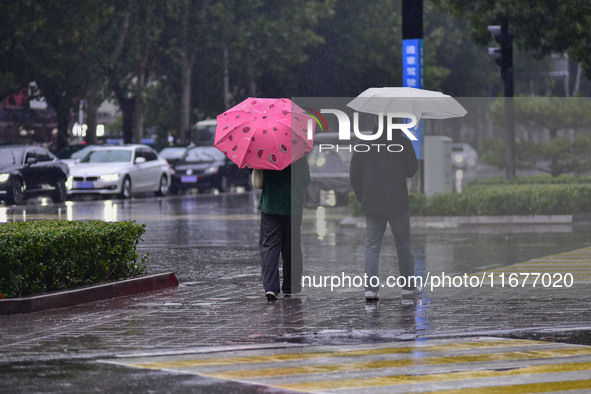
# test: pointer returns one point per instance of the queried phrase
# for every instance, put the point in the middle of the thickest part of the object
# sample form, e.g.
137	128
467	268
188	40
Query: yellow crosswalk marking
546	387
345	353
399	363
412	379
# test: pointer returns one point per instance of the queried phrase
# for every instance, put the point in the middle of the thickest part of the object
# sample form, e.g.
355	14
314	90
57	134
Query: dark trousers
280	235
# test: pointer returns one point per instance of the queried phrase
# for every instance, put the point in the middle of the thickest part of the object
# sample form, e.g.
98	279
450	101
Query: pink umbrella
264	133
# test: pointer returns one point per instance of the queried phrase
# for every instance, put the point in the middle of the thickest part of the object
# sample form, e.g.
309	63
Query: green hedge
40	256
534	179
535	199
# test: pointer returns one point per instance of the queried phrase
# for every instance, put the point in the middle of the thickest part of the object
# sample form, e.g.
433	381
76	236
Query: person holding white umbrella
379	177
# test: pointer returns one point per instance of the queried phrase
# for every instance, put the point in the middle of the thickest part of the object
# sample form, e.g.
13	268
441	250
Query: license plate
84	185
189	179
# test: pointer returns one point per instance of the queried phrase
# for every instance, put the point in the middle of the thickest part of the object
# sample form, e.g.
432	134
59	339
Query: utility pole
503	56
412	70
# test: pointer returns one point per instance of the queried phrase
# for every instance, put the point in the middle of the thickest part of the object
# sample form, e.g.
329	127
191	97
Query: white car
121	171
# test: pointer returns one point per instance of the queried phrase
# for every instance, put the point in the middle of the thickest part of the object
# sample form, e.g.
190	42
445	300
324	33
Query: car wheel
163	186
60	193
16	192
125	188
223	184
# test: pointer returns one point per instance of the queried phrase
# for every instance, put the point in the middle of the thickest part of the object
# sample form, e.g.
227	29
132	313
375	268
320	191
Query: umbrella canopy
426	104
264	133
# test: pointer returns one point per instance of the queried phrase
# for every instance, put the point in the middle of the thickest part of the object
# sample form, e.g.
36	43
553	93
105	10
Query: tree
543	119
130	63
545	114
42	44
266	39
541	26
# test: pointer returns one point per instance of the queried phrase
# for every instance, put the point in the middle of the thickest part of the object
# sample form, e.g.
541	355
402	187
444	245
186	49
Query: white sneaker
417	291
371	295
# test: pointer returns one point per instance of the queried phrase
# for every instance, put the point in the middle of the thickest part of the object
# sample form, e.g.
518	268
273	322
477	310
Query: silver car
121	171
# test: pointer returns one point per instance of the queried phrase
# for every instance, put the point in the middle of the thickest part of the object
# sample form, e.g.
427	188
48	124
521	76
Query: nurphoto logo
344	130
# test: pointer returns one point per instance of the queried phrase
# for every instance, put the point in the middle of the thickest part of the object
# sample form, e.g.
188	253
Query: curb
88	294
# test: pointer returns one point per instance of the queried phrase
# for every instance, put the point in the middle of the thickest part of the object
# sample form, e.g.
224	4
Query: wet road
210	242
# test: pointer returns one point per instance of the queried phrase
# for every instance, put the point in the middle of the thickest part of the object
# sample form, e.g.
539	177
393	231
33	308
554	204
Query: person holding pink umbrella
273	135
281	205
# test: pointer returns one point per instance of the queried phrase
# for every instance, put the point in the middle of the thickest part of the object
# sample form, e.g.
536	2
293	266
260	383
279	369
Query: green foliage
533	180
541	26
42	256
549	199
542	114
557	156
499	196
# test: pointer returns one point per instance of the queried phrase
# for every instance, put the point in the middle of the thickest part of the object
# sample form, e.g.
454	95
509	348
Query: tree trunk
63	119
143	71
187	60
577	86
127	107
91	121
61	103
93	98
138	120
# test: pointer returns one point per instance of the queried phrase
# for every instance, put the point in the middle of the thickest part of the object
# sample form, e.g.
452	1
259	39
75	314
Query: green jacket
284	191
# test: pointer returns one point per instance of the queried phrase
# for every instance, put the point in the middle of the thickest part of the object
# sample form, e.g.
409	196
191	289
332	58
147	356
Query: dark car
28	171
329	172
172	154
204	168
68	151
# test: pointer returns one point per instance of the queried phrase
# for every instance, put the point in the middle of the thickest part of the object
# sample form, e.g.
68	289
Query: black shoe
271	296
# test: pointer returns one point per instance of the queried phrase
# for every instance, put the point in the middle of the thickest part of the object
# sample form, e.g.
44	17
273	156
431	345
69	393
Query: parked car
463	155
68	151
28	171
73	156
172	154
205	167
120	170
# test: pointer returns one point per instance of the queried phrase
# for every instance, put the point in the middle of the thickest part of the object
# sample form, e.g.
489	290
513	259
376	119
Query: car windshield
203	155
172	153
108	156
81	153
10	156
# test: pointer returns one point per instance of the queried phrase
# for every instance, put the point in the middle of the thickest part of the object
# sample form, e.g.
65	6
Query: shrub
551	199
501	199
534	179
42	256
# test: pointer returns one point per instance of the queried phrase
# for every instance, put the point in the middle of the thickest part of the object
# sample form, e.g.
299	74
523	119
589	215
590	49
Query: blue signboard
413	77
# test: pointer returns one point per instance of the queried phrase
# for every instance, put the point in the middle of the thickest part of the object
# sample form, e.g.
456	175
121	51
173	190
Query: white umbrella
426	104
